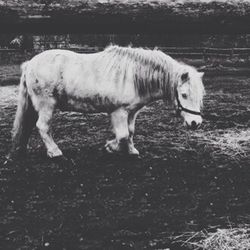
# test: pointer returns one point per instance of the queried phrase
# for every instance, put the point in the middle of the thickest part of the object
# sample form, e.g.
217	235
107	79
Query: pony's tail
24	119
22	104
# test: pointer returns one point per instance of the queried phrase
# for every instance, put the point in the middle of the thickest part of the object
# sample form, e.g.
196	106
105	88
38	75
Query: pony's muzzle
192	121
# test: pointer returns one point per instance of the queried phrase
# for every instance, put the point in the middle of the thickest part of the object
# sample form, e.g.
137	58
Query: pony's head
189	94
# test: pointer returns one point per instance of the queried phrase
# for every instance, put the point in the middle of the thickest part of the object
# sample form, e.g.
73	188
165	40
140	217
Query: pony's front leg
119	120
43	125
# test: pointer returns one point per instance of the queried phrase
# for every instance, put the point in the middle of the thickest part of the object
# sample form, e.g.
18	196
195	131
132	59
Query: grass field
184	181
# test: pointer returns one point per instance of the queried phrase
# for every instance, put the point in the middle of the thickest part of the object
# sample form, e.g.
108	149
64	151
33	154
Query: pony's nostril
193	125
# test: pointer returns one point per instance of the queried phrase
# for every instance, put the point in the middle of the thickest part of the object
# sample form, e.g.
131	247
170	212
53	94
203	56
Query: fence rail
211	60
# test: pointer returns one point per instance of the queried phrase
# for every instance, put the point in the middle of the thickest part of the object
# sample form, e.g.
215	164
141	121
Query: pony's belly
94	104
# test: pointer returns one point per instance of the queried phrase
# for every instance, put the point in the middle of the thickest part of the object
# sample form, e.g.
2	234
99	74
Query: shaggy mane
154	71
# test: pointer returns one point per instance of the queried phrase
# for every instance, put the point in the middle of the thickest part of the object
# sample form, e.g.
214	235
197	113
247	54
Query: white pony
118	80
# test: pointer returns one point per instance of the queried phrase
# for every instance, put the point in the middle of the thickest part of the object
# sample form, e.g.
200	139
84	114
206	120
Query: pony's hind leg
119	120
131	127
43	125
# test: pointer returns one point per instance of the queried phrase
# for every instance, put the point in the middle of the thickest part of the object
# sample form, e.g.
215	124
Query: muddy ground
184	180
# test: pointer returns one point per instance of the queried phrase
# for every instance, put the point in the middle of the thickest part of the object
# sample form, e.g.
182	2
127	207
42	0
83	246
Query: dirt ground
183	181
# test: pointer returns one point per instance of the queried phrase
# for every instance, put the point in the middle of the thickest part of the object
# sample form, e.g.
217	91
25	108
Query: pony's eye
184	96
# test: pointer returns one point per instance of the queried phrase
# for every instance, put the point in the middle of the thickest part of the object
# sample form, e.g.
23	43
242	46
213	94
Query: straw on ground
223	239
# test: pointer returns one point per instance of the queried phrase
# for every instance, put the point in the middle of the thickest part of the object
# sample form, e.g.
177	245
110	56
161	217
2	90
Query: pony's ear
184	77
201	74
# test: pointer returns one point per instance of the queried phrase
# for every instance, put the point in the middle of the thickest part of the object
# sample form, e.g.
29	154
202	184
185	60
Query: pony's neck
156	77
166	87
157	94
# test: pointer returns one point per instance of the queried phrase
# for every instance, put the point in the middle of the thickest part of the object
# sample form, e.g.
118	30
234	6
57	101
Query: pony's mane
153	70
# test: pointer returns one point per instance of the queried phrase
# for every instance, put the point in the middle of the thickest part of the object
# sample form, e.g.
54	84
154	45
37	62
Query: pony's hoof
108	150
111	147
55	153
133	152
